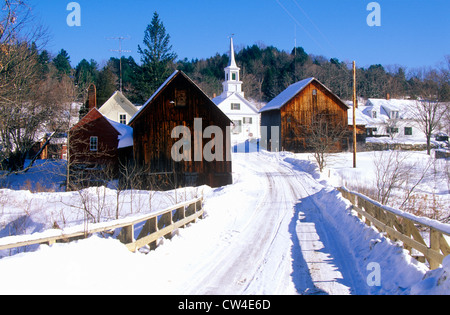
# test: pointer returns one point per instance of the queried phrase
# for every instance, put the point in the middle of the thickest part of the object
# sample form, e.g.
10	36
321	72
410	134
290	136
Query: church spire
232	60
232	84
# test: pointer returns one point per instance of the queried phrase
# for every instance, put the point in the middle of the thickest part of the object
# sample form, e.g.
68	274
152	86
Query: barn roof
290	92
165	84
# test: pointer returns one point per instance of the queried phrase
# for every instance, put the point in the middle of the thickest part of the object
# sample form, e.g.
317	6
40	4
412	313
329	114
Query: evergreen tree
157	59
107	83
62	63
86	72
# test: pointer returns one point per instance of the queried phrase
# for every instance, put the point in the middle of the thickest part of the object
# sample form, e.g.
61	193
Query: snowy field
280	228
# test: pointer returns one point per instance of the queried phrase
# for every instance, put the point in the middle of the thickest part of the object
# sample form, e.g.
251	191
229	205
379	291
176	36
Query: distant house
295	111
96	144
243	114
391	118
180	102
118	108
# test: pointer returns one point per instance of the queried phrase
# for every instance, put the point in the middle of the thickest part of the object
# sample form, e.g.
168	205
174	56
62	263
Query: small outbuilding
293	118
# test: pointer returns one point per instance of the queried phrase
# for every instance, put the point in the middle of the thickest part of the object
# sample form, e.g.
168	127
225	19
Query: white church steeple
232	84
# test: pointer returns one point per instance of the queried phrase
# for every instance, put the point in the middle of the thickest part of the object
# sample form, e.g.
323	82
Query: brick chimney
388	96
92	96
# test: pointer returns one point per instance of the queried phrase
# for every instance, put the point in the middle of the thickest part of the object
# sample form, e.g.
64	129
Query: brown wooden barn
95	146
297	112
177	103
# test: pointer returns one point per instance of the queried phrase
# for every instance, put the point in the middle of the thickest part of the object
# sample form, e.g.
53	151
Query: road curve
281	244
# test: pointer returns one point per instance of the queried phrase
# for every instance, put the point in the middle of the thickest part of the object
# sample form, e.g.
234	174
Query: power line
315	26
346	70
299	24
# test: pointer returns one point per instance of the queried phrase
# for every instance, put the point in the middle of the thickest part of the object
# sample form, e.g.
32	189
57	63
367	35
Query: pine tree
62	63
157	58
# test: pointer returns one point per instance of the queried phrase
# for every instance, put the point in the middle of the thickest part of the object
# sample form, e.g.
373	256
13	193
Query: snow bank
400	273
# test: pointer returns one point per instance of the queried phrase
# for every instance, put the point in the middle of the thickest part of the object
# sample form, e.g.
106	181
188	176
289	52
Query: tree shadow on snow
22	225
333	259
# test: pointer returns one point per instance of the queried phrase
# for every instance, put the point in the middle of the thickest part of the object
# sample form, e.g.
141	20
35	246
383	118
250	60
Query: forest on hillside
266	71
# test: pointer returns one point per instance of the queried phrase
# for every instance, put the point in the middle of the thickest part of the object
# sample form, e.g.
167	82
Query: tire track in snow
269	251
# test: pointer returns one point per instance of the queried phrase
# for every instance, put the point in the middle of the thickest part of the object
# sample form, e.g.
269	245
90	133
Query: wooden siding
80	155
154	124
297	114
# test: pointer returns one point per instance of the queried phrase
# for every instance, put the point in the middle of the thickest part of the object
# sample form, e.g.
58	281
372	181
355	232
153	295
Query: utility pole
120	51
354	114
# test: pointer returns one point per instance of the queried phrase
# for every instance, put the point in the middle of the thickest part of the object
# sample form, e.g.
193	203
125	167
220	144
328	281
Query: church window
235	106
233	75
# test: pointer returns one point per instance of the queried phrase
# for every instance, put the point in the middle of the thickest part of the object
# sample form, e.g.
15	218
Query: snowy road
276	230
280	245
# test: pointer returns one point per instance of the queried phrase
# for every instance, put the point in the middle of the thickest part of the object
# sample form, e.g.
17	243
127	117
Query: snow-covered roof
281	99
126	134
361	118
384	107
221	98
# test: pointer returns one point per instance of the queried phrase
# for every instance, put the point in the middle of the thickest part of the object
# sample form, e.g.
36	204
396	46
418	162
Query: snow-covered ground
280	228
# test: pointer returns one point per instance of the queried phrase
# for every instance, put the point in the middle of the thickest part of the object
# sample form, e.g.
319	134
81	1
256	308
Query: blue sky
413	33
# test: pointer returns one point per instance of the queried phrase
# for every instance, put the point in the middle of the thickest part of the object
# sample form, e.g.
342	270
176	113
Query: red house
95	147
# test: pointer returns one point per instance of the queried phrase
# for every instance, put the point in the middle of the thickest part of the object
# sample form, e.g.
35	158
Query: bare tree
390	173
24	91
324	136
428	110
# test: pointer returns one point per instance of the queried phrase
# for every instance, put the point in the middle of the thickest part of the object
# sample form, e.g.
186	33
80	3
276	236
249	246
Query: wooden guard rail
157	224
404	227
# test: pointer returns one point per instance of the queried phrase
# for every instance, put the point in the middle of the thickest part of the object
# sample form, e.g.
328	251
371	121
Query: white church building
243	114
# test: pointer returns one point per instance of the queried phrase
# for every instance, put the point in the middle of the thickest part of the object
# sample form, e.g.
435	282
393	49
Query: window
93	144
374	114
408	131
392	130
180	98
233	76
394	115
123	119
247	120
237	128
235	106
314	92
